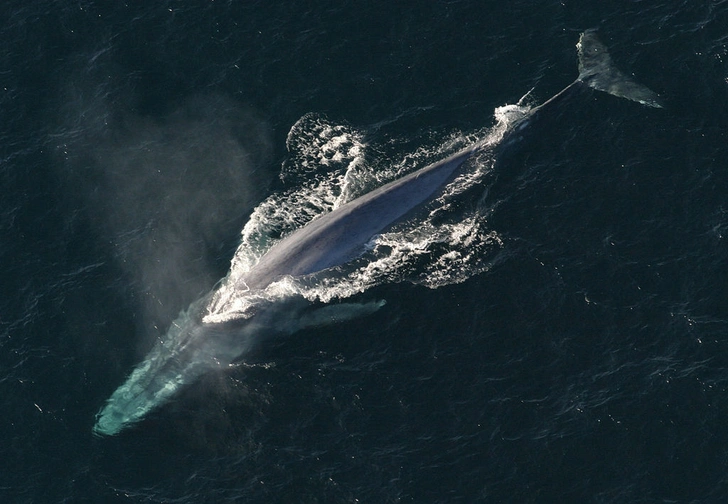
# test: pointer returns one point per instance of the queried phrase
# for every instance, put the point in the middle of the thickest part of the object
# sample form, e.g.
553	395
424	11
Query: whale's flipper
333	314
597	70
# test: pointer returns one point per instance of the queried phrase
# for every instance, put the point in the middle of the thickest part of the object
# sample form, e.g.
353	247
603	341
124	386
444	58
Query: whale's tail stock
597	71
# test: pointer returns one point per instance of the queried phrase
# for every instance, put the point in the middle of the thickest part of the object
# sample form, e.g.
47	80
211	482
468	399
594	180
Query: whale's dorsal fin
597	70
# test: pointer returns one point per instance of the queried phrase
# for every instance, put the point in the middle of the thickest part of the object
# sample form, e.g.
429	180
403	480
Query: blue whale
193	347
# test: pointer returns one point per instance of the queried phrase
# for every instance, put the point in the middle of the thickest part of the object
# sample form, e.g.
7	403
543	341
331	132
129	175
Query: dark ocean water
589	363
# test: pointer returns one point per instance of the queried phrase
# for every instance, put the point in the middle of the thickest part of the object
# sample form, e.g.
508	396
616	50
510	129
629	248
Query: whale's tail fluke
597	70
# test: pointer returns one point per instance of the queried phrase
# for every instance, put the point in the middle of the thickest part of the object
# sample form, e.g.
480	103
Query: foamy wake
331	164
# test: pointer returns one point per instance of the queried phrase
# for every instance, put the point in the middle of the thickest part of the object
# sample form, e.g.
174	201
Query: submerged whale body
193	347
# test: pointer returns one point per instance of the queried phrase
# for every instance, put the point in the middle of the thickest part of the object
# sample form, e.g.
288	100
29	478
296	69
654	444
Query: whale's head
189	349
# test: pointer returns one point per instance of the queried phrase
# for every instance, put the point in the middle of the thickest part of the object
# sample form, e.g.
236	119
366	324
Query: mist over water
164	191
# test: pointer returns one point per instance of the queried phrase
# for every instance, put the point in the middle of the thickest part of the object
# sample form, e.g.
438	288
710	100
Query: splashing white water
445	243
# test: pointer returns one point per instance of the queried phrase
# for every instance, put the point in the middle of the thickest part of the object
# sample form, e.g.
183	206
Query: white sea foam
329	166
